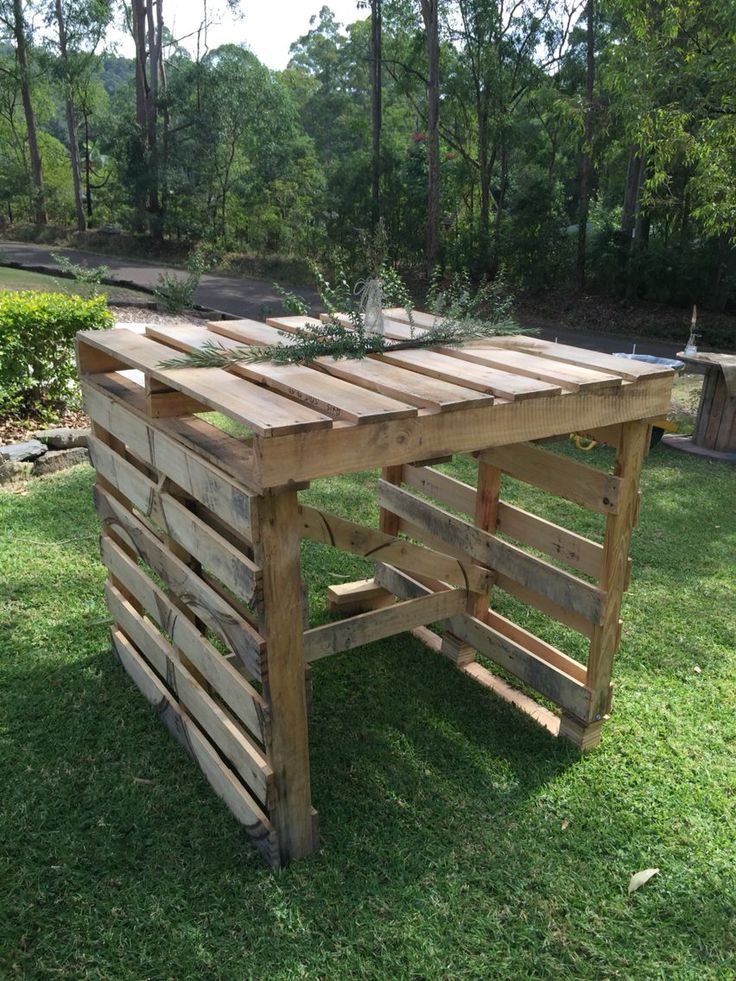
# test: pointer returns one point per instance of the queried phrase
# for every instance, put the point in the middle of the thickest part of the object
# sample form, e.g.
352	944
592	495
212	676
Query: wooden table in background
201	531
715	424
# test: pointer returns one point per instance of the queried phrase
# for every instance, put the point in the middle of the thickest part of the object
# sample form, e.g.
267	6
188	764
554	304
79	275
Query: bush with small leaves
38	373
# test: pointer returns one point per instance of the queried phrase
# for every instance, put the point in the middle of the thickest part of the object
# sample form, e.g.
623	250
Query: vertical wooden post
632	449
387	520
277	552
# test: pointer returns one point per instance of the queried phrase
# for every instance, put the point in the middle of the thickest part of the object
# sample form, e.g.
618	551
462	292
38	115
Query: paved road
251	297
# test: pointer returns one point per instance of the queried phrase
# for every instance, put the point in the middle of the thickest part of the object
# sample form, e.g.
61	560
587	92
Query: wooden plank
542	676
226	561
574	550
243	755
277	552
266	413
317	389
323	454
419	318
334	638
559	586
392	329
241	698
571	377
148	442
567	354
199	598
249	332
378	546
634	445
502	384
590	488
544	604
410	386
447	490
402	585
219	776
357	597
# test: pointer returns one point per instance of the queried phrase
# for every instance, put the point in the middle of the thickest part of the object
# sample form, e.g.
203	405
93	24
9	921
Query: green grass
24	279
457	839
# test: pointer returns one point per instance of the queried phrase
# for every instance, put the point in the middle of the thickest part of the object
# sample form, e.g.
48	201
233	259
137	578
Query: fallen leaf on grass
638	880
143	780
565	825
697	669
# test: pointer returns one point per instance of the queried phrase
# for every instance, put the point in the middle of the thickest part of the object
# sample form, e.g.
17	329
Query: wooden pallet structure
201	531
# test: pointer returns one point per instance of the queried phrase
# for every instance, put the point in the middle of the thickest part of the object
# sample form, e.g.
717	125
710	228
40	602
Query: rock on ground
18	452
12	472
56	460
63	437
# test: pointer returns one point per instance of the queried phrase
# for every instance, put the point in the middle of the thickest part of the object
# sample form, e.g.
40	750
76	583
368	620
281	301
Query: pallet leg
632	449
584	735
277	552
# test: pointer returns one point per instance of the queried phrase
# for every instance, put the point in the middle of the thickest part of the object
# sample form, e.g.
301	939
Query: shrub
176	294
37	367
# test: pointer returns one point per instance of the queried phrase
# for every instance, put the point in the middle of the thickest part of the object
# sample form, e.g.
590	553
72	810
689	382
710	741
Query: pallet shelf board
201	532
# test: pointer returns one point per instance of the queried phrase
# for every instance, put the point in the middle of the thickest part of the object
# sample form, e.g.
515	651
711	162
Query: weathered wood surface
577	482
334	638
200	598
378	546
220	777
562	588
287	747
242	699
226	561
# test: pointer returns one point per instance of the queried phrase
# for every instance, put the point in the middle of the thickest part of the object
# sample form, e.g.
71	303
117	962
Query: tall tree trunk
430	15
87	166
586	166
631	223
71	120
21	54
147	36
376	115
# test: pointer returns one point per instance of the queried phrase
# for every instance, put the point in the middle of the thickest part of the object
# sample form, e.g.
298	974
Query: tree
430	16
15	26
586	165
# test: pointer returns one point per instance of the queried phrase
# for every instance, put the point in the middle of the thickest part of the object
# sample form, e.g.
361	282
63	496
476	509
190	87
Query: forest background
561	144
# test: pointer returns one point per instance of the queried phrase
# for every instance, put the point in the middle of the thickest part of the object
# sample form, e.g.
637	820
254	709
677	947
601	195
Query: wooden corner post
276	548
632	448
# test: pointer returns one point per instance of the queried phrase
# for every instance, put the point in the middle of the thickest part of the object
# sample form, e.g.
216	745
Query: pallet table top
338	416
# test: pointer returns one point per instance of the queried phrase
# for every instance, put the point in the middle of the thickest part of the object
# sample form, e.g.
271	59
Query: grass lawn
24	279
458	840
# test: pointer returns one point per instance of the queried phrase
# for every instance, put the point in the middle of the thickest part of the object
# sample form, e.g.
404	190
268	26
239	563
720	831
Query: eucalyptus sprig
331	339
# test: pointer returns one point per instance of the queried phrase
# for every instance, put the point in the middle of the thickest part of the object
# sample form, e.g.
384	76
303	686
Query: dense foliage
583	143
37	330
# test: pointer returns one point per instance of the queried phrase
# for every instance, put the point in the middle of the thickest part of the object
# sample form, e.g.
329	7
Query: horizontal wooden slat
243	755
323	454
215	553
198	596
542	676
240	697
407	587
419	318
502	384
625	367
249	332
149	443
576	482
266	413
317	389
333	638
320	526
532	597
222	780
571	377
561	587
447	490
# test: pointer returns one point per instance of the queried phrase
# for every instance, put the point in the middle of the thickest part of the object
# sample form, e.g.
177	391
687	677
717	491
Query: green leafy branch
332	339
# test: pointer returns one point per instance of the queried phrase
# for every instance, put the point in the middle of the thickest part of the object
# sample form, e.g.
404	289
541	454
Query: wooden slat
242	699
571	377
334	638
248	332
590	488
379	546
567	354
542	676
322	454
184	583
561	587
418	317
149	443
243	755
266	413
226	561
392	329
410	386
447	490
502	384
220	777
317	389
